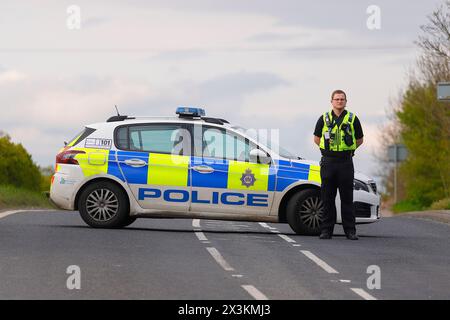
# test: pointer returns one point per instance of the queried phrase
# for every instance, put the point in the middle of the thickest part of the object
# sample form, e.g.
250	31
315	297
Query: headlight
359	185
373	186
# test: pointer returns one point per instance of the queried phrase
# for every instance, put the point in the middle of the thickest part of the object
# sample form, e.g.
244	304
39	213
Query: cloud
11	76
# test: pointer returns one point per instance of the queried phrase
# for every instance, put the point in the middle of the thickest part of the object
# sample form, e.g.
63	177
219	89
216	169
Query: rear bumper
61	192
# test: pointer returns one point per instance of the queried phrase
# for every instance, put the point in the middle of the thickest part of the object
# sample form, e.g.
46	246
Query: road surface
54	255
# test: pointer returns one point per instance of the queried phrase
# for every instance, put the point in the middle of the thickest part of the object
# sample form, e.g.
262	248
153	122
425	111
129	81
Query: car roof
124	120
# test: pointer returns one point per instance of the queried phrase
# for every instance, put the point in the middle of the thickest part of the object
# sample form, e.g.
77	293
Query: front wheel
104	205
305	212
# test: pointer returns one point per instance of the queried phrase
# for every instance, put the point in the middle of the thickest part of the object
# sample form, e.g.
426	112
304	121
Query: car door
224	178
154	159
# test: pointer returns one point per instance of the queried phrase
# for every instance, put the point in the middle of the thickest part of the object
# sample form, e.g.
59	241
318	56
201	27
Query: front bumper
366	206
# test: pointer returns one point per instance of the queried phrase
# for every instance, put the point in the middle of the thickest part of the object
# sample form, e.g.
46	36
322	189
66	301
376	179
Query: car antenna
117	110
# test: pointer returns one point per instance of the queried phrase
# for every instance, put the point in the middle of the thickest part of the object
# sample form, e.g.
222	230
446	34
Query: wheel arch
97	180
282	212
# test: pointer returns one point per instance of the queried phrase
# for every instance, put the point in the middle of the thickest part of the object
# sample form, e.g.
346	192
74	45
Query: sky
257	63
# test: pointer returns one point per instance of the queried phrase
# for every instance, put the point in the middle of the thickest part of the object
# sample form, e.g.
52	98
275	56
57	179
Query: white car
192	166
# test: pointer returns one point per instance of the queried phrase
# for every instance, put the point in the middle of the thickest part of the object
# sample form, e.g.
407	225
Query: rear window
158	138
80	136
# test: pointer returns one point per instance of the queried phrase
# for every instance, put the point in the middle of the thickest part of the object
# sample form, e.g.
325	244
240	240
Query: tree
421	122
16	166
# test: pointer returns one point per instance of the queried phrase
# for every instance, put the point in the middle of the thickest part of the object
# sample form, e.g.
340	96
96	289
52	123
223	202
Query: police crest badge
248	178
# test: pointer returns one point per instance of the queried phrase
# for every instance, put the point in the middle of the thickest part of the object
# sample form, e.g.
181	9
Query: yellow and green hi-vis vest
336	134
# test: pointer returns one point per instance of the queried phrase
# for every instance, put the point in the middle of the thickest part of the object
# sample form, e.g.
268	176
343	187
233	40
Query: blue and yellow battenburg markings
173	170
289	173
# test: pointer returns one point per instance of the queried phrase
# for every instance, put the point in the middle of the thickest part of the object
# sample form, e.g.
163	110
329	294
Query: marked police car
191	166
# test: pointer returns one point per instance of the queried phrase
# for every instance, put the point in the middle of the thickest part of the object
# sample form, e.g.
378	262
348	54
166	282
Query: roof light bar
190	112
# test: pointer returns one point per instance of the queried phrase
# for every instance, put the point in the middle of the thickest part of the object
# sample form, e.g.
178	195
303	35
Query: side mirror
258	154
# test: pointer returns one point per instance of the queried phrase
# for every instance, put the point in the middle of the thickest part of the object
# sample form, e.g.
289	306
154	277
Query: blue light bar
190	112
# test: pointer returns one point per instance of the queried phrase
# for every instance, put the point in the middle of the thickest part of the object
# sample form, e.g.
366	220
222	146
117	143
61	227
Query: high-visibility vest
333	136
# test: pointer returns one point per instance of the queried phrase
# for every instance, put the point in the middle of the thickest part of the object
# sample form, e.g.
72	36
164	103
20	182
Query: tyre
104	205
305	212
129	221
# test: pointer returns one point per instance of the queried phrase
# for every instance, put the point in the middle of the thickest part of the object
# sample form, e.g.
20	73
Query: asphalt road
206	259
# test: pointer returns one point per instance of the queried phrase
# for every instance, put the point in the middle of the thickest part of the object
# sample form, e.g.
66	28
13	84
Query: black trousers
337	174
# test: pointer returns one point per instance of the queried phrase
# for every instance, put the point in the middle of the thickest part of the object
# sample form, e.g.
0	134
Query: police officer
338	133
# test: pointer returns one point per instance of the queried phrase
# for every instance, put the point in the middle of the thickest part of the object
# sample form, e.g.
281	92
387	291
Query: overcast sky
258	63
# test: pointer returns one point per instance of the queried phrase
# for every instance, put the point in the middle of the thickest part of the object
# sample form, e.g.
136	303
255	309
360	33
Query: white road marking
265	225
196	223
297	245
318	261
237	275
345	281
274	231
219	259
8	213
363	294
201	236
241	225
255	293
285	237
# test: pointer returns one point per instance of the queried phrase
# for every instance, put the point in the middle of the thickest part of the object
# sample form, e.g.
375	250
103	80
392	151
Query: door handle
203	169
136	163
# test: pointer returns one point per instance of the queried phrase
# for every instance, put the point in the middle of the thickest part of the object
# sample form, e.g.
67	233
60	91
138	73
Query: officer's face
339	101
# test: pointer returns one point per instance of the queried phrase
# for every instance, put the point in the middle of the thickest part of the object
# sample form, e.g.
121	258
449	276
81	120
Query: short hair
338	92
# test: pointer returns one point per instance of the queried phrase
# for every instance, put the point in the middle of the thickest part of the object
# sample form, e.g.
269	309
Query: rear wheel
104	205
305	212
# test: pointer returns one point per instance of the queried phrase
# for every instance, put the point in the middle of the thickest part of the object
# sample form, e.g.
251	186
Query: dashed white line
285	237
265	225
201	236
219	259
196	223
255	293
241	225
363	294
318	261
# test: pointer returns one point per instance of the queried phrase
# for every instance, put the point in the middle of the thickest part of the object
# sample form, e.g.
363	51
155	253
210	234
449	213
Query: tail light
68	156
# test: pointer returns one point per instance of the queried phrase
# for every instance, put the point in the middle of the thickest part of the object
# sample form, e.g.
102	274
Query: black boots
325	235
351	236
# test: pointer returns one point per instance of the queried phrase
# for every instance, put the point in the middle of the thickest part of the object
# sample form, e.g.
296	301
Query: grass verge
17	198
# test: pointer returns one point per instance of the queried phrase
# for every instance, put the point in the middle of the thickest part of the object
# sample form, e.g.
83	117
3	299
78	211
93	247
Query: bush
407	205
443	204
16	166
46	176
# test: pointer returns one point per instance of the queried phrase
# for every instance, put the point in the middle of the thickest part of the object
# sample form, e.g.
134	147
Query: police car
192	166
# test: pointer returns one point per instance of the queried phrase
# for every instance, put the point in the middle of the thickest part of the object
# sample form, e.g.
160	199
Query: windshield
262	138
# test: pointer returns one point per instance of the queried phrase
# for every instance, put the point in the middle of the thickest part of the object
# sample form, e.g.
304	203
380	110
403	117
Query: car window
157	138
80	136
224	144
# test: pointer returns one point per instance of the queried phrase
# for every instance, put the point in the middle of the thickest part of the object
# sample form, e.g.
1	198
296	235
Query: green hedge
16	166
